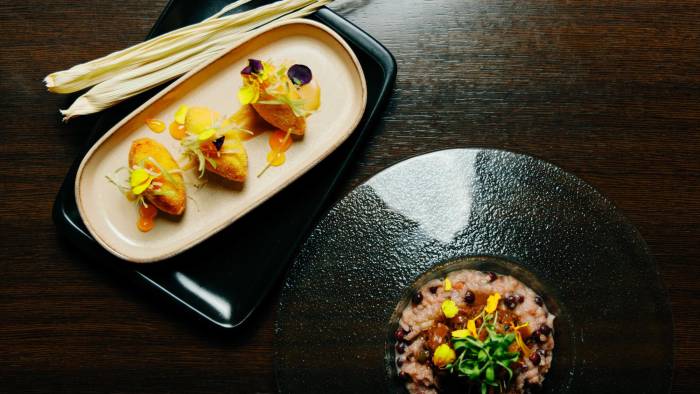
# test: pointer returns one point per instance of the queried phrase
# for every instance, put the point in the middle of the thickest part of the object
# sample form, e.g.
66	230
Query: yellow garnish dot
138	176
449	309
206	134
275	158
157	126
447	285
471	326
248	94
181	114
460	334
492	302
443	355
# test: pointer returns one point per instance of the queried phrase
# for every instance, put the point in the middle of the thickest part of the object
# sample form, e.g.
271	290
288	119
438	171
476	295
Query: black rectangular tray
226	277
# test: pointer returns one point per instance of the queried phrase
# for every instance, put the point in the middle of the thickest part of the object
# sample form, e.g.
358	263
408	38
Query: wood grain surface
608	90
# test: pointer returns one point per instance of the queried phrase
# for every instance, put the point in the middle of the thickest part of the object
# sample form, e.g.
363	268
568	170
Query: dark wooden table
610	91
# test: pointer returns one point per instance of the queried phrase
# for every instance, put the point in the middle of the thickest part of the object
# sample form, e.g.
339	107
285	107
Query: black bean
535	358
399	334
434	289
521	298
417	298
506	327
469	297
510	301
542	353
539	301
492	276
399	362
423	356
544	329
400	348
404	376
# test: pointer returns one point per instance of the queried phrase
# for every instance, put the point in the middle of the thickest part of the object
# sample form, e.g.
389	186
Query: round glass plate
488	208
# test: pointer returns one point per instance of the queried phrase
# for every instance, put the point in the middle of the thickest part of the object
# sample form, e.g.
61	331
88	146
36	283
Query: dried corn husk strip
140	79
189	37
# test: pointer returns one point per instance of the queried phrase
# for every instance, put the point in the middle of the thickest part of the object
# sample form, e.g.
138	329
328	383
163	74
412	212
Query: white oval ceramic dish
111	218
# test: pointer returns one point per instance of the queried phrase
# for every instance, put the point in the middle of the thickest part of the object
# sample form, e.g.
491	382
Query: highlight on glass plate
274	99
474	331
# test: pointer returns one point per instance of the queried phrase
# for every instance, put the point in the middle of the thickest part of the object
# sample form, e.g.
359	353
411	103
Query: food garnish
443	355
479	359
449	309
447	284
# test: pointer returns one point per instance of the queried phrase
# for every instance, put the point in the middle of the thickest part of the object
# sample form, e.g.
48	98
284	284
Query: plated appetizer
155	181
474	330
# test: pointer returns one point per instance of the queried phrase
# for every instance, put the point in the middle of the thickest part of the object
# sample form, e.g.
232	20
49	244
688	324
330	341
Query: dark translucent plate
493	210
227	276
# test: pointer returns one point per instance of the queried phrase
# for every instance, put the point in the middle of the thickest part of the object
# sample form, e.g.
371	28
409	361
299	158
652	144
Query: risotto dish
474	331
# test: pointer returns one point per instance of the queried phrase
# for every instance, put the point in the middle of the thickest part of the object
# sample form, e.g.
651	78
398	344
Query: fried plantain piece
170	197
280	115
229	155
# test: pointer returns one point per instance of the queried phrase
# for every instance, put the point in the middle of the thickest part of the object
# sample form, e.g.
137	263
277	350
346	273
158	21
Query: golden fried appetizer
214	145
280	115
279	95
155	175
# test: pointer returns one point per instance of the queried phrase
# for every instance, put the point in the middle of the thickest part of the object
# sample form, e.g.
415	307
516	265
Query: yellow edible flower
206	134
140	180
443	355
448	284
521	344
492	302
181	113
471	326
449	309
459	334
248	94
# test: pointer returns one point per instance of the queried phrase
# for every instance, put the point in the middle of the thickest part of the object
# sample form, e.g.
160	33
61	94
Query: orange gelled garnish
280	141
275	158
177	130
146	215
157	126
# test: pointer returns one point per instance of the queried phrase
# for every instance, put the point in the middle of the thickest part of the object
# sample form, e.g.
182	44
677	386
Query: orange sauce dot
177	130
280	141
146	216
157	126
149	211
275	158
145	224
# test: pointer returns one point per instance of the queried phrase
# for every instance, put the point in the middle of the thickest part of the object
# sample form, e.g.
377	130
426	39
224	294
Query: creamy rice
519	303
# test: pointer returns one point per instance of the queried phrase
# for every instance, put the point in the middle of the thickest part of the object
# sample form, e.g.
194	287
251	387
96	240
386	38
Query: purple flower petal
299	74
219	142
254	66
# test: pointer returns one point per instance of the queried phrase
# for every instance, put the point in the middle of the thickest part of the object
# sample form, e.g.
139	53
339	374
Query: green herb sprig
478	360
